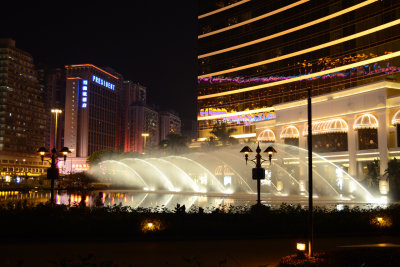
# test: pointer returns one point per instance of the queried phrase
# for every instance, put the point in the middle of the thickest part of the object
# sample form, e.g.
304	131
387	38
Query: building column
352	148
278	131
383	133
302	138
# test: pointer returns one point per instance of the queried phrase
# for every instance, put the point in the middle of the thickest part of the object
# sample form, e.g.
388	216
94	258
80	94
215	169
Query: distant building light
84	93
84	82
84	105
84	99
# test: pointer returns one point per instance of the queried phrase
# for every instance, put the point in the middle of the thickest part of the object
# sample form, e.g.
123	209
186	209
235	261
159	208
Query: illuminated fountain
223	172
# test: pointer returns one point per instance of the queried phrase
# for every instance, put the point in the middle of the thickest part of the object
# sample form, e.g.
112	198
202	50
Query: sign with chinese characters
84	93
103	82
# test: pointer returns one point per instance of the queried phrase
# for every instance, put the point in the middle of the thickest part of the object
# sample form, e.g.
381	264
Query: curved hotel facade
257	59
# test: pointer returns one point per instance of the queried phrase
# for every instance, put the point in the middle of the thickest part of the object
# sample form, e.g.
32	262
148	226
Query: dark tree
393	176
373	174
174	143
223	134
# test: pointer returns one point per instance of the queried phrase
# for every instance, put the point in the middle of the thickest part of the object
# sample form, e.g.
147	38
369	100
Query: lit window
85	82
84	88
84	93
227	180
84	99
84	105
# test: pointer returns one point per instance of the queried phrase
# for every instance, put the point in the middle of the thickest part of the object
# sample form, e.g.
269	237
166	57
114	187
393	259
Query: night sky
150	42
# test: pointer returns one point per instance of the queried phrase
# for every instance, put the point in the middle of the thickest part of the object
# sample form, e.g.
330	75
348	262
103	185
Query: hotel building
141	122
169	123
22	114
52	80
91	112
257	59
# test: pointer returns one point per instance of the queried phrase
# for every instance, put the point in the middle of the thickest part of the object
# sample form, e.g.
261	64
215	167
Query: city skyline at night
143	43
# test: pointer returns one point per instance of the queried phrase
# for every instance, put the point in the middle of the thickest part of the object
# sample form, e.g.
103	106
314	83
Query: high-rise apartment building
22	113
53	84
257	60
91	111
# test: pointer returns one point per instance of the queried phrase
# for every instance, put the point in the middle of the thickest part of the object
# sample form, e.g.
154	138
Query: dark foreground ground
169	252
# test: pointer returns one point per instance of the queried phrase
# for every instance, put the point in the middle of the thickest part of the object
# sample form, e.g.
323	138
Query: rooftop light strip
93	66
308	50
304	77
269	37
222	9
254	19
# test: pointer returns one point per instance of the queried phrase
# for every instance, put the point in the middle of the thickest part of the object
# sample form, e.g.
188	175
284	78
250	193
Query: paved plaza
245	252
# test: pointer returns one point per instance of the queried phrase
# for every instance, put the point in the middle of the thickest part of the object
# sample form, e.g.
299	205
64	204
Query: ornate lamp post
53	172
258	172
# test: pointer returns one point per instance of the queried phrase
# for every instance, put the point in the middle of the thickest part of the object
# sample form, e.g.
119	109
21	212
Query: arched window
396	122
329	135
367	128
266	136
290	135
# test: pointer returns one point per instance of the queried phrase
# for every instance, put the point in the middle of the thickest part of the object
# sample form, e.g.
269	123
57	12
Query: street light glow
56	110
301	246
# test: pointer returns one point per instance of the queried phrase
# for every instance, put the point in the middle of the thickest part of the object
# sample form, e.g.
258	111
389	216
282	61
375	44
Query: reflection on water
167	200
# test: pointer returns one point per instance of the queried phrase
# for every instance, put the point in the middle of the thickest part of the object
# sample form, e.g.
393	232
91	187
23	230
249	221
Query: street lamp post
258	172
310	179
53	172
145	135
56	112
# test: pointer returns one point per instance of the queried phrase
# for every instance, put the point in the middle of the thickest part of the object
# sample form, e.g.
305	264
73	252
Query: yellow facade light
263	16
238	136
300	27
299	78
337	125
396	118
267	135
366	121
222	9
290	132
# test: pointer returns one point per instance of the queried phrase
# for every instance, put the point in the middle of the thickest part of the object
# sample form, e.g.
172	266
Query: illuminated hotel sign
84	93
103	82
